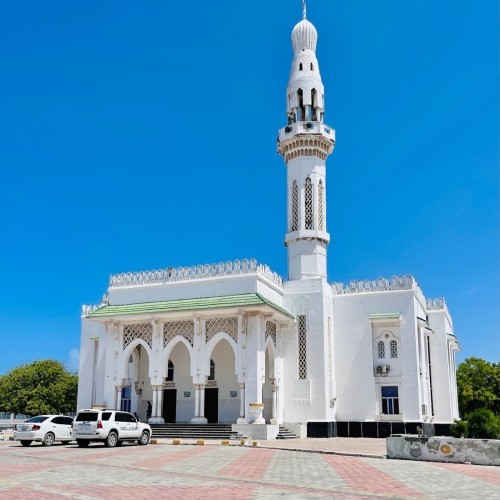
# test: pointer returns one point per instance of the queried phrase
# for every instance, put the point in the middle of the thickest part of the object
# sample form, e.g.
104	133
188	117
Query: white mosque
233	342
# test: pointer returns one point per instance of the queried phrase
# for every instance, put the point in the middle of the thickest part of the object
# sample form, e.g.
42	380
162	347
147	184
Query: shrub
459	429
483	424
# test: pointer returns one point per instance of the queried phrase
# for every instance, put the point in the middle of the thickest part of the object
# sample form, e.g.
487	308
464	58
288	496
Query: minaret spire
304	9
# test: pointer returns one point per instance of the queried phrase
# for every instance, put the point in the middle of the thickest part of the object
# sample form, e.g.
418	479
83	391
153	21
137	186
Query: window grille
212	370
308	204
271	331
226	325
390	400
170	372
321	216
173	328
381	349
394	349
142	331
302	347
295	206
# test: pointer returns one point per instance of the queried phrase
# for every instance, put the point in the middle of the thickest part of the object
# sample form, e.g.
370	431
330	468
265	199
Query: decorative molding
306	146
271	331
142	331
175	274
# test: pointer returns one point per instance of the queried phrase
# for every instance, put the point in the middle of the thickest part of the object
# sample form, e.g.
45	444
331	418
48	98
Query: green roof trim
247	299
385	316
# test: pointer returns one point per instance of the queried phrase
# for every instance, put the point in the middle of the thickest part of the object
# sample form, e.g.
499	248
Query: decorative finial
304	9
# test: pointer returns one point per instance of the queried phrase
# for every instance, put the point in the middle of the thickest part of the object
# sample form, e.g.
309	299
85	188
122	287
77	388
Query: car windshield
89	416
37	420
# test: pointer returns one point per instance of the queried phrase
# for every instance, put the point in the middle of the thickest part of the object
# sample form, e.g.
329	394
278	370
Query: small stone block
200	442
256	444
243	442
225	442
176	441
153	441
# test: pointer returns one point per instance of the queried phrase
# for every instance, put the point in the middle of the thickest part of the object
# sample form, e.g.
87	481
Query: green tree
478	384
42	387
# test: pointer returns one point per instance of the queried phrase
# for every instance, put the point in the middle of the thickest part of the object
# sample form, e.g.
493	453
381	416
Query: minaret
305	143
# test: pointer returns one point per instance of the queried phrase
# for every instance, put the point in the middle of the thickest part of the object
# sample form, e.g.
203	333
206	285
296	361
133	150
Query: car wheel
25	443
48	439
82	443
111	440
144	439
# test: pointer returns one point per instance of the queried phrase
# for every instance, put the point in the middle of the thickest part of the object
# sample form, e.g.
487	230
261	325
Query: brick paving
233	472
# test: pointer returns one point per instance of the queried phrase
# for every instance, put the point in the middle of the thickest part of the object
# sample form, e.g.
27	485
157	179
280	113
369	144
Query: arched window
312	67
381	349
170	372
394	349
300	67
212	370
308	204
321	215
301	112
314	102
295	207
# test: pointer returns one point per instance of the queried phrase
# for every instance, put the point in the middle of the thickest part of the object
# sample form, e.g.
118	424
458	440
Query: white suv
111	426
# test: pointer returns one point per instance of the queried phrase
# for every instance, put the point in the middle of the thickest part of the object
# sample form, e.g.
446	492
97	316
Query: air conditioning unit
380	368
383	369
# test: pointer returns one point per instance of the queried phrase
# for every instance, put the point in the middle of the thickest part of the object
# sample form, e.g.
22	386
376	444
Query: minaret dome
304	36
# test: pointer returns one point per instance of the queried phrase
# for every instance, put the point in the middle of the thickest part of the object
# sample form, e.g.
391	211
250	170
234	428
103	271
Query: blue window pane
390	391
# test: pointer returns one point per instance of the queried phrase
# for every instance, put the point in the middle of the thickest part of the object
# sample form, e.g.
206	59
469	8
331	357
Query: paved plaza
231	472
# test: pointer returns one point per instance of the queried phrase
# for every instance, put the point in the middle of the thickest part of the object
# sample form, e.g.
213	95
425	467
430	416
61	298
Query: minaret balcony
306	128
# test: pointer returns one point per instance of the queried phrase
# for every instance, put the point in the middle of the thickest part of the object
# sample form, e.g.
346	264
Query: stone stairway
193	431
284	433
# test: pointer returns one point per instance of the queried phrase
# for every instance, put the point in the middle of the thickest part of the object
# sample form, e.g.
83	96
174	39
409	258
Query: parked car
46	429
113	427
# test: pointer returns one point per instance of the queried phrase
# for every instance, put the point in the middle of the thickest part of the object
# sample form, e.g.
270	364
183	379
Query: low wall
444	449
257	431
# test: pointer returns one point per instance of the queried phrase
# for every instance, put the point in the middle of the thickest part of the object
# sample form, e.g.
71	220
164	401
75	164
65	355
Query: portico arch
269	385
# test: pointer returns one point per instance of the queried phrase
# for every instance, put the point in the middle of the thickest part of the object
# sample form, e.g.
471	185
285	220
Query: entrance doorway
212	405
169	405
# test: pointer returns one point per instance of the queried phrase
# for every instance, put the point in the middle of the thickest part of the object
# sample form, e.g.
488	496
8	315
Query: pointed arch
294	225
308	204
170	347
210	346
321	213
128	352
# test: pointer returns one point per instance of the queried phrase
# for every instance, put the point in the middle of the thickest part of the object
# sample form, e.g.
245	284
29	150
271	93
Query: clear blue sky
141	135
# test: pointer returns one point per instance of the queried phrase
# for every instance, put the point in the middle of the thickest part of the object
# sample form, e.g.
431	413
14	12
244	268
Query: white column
153	404
202	401
159	401
196	400
118	397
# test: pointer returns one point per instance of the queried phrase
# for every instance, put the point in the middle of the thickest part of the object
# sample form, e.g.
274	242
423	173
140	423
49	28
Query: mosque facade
233	342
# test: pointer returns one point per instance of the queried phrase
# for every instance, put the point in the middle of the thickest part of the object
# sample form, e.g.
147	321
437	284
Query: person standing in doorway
150	411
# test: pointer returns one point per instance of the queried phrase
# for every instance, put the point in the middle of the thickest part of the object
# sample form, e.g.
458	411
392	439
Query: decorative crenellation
175	274
173	328
407	282
302	146
436	304
226	325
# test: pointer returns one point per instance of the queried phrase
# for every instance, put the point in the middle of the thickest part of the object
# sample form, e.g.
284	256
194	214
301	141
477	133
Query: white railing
175	274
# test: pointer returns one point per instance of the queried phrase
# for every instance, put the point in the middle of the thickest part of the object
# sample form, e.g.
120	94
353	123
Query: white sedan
46	429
